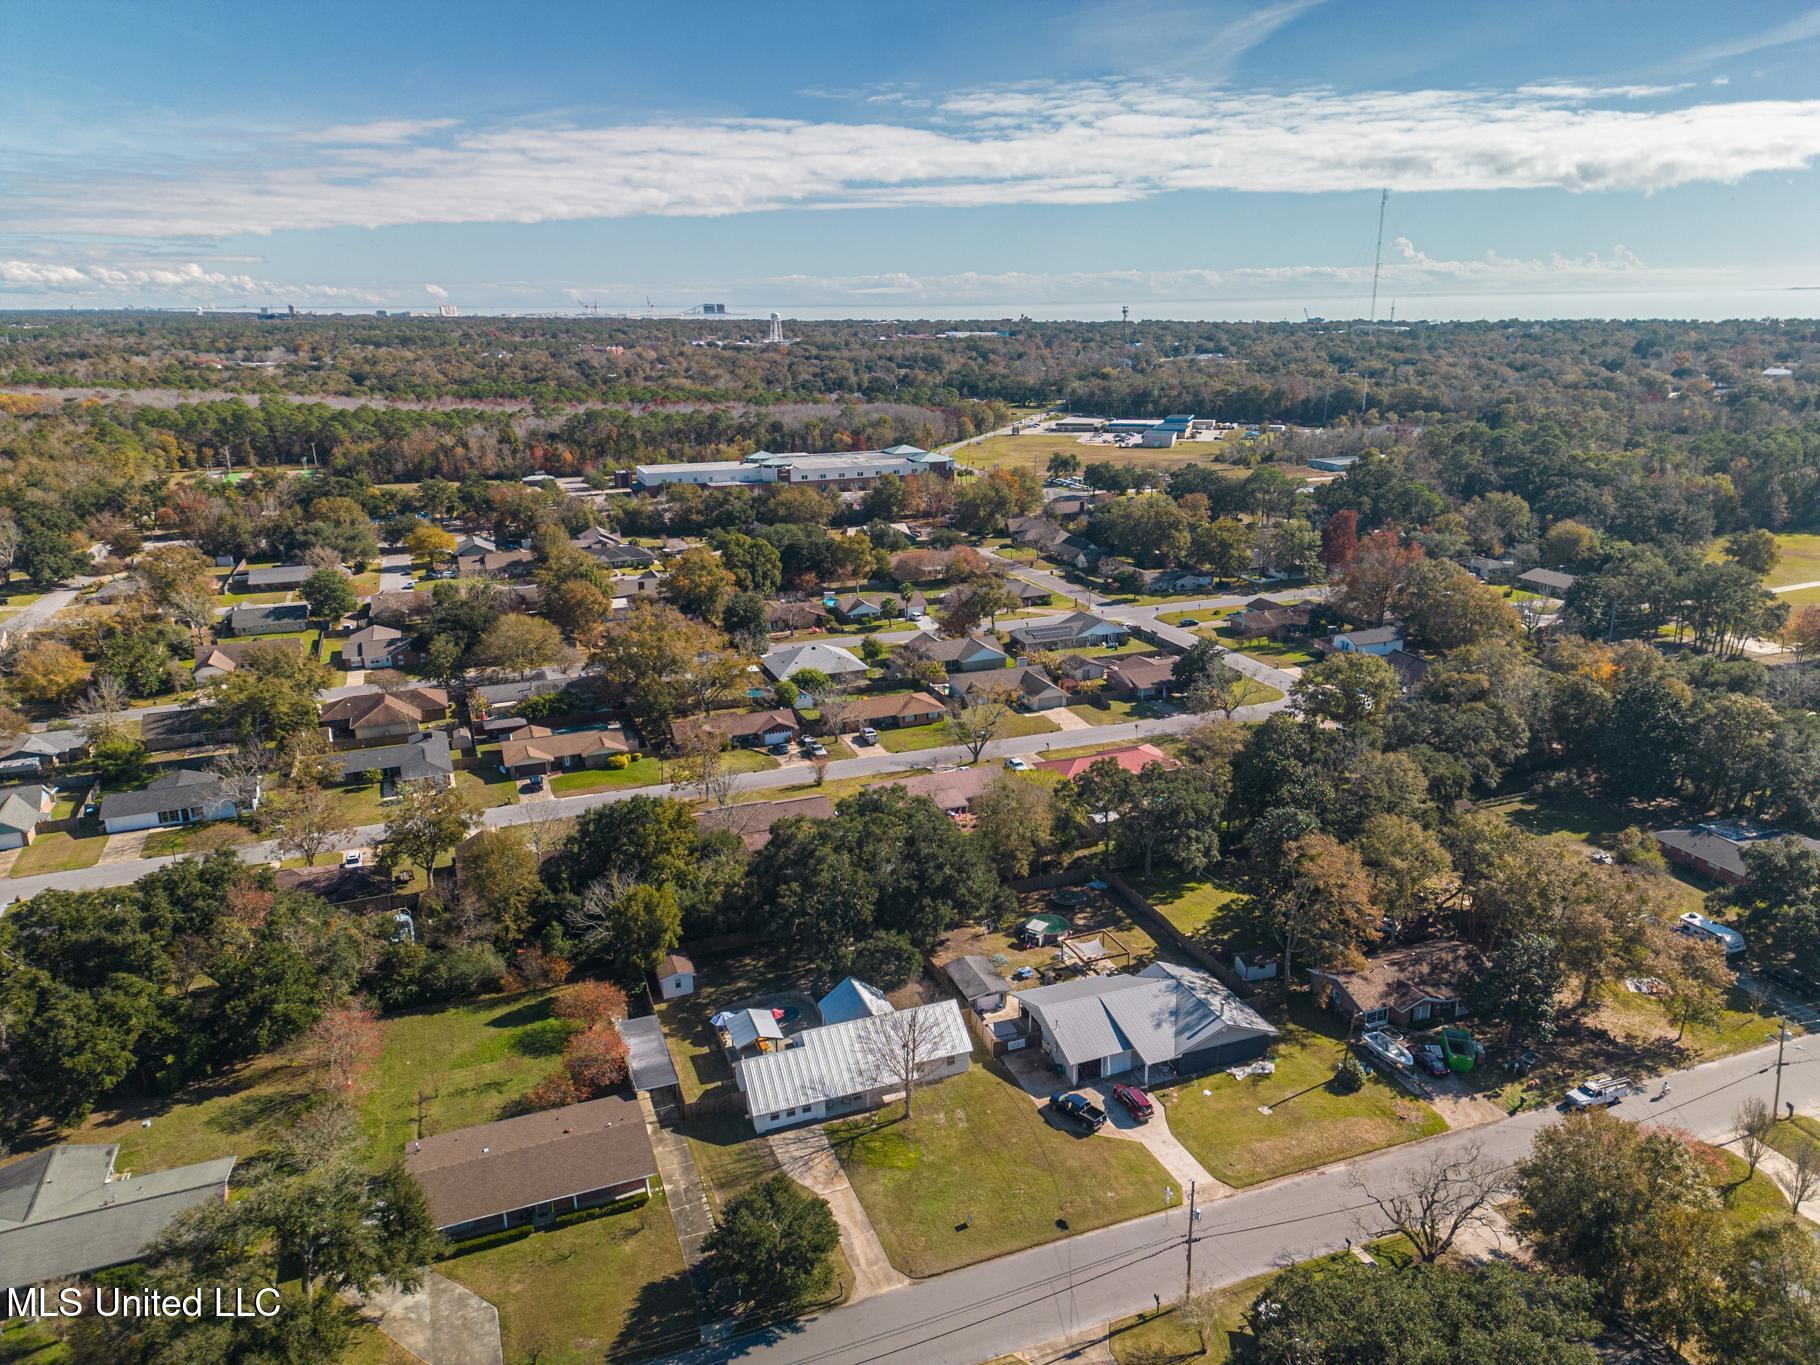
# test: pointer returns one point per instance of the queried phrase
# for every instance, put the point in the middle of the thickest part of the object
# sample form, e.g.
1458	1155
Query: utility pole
1775	1106
1188	1284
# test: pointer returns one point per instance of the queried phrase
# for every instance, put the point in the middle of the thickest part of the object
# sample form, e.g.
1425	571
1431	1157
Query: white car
1597	1092
1019	765
351	858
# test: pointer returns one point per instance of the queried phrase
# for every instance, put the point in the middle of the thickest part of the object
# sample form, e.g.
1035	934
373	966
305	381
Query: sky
952	158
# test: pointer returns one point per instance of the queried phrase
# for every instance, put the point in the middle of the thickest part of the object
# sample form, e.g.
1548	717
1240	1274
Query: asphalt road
1081	1283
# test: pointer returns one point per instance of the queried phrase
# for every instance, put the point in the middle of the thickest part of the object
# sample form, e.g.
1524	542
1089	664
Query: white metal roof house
852	999
839	1068
1164	1017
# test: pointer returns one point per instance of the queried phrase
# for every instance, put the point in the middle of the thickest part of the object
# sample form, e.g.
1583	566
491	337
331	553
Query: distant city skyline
957	160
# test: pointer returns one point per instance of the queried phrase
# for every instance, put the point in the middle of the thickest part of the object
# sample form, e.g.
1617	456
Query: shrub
595	1061
1349	1077
619	762
590	1003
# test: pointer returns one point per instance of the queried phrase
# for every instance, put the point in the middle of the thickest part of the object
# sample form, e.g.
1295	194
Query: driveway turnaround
441	1324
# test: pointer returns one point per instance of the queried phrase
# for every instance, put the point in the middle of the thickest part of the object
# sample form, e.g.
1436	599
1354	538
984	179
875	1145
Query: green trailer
1461	1049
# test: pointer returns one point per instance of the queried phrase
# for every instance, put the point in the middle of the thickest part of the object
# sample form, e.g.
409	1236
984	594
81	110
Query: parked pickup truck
1136	1102
1082	1112
1597	1092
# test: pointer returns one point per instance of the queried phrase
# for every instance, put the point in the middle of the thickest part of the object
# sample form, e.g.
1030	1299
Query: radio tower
1125	312
1378	261
776	334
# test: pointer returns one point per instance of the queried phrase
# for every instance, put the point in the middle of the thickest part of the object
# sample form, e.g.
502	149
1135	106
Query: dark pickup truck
1082	1112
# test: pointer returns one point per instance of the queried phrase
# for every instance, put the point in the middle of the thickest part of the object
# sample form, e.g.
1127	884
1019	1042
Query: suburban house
675	976
978	983
1548	582
1081	668
354	888
837	663
968	654
533	749
1133	758
38	751
1077	630
424	757
495	564
227	655
1410	987
1716	848
1409	668
846	1068
1027	688
952	792
624	556
893	710
1142	679
590	538
1027	593
22	810
1165	581
1489	570
283	578
535	1167
64	1211
1275	621
385	715
401	607
742	729
1164	1021
1379	640
163	731
475	544
751	821
1048	538
184	796
377	646
277	619
855	609
785	617
851	999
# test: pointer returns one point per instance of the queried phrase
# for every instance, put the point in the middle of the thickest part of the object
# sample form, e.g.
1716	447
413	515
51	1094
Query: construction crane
1378	261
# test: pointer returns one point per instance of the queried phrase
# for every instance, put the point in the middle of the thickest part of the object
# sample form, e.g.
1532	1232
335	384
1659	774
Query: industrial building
840	470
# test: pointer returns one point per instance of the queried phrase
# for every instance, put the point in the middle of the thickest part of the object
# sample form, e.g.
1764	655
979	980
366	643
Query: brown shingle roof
1403	976
413	705
535	744
894	706
497	1167
734	724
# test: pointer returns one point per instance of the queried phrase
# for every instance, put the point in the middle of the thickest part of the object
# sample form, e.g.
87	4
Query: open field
1798	560
978	1172
461	1064
1216	1117
603	1288
937	735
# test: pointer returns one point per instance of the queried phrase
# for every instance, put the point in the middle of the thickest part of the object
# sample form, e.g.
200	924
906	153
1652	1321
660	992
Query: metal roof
852	999
746	1027
1159	1014
646	1053
838	1059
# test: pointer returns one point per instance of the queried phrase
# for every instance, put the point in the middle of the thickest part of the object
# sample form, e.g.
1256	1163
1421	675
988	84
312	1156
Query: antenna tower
1378	261
1125	312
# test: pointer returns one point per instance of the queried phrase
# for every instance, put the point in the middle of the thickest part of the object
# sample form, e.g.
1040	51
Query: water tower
777	329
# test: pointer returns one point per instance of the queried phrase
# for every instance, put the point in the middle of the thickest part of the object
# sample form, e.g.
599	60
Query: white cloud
1037	143
379	132
436	291
187	283
1797	30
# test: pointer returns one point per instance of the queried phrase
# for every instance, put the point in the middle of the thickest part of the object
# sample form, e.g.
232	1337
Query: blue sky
939	159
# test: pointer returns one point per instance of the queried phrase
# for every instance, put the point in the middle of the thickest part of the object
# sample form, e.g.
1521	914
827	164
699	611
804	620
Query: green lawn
1577	819
58	852
181	839
605	1288
1107	710
1309	1125
640	772
979	1173
27	1342
1799	561
728	1155
1747	1199
1789	1136
487	786
1201	910
937	735
468	1061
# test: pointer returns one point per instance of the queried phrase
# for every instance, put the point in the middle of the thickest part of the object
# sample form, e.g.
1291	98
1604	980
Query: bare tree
1205	1311
897	1048
305	821
1802	1178
388	680
1432	1205
241	771
543	829
592	920
704	766
974	724
1754	1120
105	697
820	765
194	609
836	704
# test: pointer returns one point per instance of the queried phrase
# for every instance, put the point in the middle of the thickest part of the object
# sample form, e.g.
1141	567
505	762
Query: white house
675	977
187	796
21	810
847	1068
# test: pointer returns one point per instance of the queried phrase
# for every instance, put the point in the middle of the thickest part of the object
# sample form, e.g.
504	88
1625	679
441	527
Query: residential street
1081	1283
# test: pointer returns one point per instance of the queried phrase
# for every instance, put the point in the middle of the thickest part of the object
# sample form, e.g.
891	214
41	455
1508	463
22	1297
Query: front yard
938	734
58	852
1218	1118
605	1288
648	771
979	1173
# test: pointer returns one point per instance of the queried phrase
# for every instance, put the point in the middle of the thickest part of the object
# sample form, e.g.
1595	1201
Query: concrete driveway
442	1323
806	1157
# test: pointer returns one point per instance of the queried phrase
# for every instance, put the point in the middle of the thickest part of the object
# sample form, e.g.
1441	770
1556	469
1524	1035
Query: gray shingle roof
184	786
423	756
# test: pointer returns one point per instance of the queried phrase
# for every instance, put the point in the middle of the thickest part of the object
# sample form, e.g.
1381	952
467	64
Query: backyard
1127	945
1204	911
459	1065
599	1289
979	1173
1303	1122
